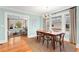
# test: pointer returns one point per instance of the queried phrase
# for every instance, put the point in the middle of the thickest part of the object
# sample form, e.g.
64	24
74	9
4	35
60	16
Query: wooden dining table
52	34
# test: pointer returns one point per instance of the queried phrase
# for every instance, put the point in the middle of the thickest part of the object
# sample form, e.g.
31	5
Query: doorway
15	23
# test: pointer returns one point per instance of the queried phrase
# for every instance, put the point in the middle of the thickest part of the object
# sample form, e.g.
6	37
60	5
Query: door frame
6	23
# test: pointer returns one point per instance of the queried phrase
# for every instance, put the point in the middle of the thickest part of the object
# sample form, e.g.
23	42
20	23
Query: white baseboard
66	40
31	36
77	45
2	41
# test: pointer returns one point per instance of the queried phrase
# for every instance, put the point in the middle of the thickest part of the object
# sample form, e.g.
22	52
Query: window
67	17
56	23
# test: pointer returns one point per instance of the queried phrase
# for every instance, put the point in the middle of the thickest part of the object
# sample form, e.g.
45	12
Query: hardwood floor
17	44
77	49
38	47
23	44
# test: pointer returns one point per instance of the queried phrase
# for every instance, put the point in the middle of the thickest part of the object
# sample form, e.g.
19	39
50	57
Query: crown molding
37	14
21	11
60	9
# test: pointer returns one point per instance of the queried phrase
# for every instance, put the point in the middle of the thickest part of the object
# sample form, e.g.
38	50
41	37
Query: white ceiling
37	10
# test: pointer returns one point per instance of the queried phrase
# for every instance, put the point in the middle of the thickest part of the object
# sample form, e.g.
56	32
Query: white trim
1	42
10	13
77	45
61	9
21	11
67	40
6	37
31	36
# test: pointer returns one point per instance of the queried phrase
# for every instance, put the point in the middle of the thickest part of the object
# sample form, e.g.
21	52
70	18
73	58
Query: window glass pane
67	17
56	23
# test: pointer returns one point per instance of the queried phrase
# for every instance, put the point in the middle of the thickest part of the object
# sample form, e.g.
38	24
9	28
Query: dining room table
52	34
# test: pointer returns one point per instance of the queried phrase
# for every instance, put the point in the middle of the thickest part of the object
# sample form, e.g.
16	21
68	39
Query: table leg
37	36
53	42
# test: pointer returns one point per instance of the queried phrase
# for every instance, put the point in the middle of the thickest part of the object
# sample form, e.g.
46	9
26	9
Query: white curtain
73	24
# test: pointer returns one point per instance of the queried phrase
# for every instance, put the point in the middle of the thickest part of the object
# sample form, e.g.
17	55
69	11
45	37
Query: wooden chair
60	40
39	36
47	38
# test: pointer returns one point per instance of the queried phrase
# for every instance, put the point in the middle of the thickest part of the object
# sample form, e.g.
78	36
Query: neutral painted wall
2	28
35	23
77	17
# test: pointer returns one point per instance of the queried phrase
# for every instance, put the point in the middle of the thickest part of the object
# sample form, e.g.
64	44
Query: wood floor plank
23	44
19	44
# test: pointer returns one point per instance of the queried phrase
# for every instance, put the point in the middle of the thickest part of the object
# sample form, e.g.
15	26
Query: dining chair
60	40
47	38
39	36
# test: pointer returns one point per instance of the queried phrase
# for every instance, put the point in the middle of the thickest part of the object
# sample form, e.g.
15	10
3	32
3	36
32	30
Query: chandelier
46	14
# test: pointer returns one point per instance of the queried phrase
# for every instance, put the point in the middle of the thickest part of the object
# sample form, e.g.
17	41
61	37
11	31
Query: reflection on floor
17	44
38	47
23	44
